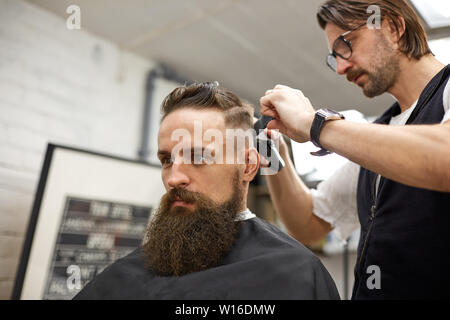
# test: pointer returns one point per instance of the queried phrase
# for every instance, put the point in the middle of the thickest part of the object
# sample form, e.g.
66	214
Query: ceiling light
436	13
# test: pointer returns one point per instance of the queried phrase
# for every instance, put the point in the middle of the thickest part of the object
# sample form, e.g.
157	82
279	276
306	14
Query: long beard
180	240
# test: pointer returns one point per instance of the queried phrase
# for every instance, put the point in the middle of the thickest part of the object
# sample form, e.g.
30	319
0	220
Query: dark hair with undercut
348	14
208	95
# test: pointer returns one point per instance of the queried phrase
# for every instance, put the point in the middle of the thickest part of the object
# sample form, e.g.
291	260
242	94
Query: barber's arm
293	202
415	155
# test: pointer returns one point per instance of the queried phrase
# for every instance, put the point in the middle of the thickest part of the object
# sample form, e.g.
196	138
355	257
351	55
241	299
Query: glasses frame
331	59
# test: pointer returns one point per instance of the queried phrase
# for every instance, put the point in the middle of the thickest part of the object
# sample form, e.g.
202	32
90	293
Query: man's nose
178	177
342	65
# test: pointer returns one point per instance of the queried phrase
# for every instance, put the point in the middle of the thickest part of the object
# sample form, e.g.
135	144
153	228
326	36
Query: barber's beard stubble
182	240
386	66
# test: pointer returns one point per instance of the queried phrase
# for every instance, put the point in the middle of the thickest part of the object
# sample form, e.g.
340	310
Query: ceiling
246	45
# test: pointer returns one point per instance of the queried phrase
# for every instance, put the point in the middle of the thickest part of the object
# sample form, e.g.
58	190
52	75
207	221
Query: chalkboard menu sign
92	235
90	209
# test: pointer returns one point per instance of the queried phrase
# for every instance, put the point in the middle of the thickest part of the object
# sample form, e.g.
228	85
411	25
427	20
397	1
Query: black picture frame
144	177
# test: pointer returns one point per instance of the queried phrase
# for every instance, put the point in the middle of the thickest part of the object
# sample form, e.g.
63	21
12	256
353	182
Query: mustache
352	74
181	194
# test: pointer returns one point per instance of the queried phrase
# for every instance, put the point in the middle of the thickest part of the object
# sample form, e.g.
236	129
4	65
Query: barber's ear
251	164
396	33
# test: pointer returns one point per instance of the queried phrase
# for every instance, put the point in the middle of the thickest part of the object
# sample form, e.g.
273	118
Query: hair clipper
266	147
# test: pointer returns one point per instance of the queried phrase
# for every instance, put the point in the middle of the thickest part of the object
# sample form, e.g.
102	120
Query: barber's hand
278	140
292	111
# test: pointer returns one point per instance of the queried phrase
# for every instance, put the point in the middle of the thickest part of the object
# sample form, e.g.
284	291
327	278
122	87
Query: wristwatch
321	116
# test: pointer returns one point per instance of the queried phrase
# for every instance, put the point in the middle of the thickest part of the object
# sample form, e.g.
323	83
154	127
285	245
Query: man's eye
198	158
166	161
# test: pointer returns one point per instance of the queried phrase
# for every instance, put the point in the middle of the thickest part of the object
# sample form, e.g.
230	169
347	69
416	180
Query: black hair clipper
266	147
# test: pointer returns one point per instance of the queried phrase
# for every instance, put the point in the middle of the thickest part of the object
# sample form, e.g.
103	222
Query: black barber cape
264	263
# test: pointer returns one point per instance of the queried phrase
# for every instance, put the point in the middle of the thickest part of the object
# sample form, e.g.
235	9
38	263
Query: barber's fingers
266	106
277	138
263	162
276	125
273	134
278	87
270	113
283	87
296	91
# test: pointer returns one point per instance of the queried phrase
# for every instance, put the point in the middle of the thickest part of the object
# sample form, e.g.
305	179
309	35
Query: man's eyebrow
162	153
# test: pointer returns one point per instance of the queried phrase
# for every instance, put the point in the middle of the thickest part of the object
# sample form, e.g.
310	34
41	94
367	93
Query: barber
396	186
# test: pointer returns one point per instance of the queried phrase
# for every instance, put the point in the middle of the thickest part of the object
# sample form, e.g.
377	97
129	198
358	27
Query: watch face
329	114
322	112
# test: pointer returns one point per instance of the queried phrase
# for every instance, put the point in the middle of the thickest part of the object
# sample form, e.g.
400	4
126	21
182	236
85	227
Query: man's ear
397	29
251	164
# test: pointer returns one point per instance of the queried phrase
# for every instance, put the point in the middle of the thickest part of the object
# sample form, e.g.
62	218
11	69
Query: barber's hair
350	14
207	96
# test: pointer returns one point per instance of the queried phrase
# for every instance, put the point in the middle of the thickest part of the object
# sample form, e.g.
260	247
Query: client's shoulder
266	255
129	264
265	238
110	282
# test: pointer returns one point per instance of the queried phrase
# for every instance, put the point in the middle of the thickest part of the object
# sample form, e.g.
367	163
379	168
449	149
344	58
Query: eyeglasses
341	48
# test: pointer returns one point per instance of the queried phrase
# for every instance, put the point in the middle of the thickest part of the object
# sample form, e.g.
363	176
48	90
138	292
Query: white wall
60	86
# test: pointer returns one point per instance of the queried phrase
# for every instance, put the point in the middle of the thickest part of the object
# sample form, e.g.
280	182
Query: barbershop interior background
97	86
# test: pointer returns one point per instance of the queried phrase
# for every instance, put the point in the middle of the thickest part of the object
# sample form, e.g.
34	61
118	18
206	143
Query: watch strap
316	128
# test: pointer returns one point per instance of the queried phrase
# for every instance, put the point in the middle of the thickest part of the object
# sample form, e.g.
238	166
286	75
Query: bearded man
203	242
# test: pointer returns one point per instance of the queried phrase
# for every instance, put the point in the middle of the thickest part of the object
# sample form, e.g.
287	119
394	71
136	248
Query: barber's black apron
405	231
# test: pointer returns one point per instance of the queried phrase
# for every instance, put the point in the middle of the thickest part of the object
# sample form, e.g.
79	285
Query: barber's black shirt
404	245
